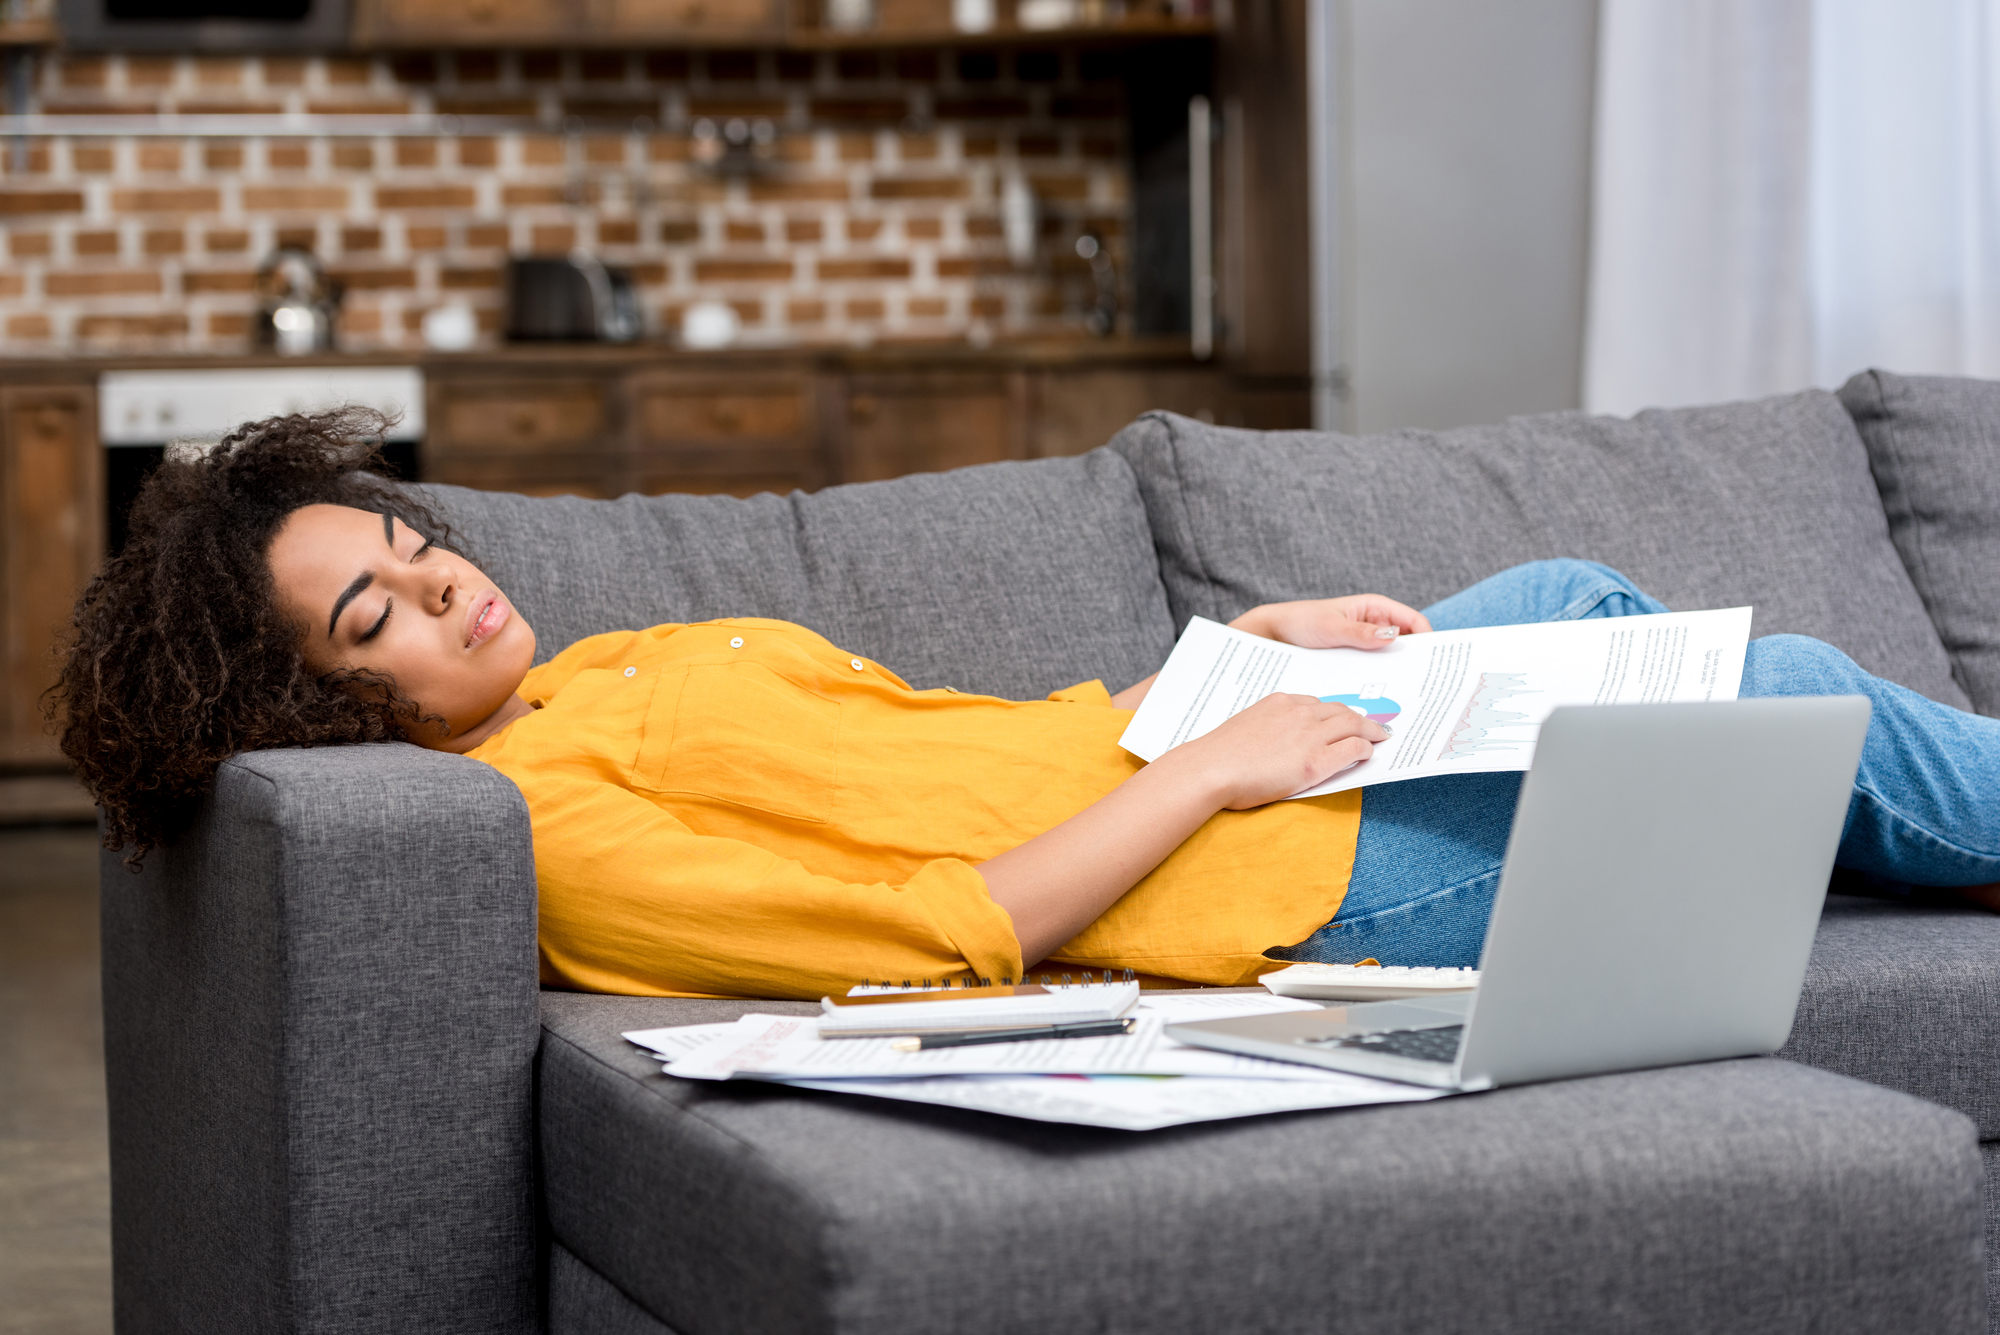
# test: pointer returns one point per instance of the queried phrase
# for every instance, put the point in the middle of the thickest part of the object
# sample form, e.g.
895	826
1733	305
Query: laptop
1663	883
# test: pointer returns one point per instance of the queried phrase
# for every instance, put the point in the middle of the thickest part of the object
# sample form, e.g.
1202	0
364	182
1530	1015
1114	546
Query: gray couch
340	1103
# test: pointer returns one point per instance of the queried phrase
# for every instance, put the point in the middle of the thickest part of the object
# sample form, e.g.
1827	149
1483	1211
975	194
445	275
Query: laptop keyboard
1425	1045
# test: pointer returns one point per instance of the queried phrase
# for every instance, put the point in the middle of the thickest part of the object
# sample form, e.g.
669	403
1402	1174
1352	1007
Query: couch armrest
321	1016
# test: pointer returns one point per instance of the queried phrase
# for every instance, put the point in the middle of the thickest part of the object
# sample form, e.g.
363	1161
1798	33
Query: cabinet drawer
1076	411
928	424
738	410
529	475
670	18
479	421
467	22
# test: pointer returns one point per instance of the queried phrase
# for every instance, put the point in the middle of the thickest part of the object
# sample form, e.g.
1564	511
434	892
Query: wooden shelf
1101	34
28	32
1125	32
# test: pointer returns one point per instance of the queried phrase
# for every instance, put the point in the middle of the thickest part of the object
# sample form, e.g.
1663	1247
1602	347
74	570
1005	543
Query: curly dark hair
180	657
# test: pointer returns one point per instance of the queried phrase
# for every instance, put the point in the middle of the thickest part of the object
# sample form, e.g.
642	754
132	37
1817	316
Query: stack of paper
1135	1082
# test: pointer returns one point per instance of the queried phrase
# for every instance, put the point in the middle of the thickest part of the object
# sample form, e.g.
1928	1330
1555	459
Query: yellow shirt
739	808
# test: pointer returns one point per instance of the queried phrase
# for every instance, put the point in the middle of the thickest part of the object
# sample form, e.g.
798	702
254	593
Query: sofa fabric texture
1934	445
583	1302
1768	504
320	1027
1907	996
1011	579
730	1210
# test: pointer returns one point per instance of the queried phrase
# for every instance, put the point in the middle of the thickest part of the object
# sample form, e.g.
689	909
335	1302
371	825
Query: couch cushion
1934	443
1735	1196
1767	503
1014	579
1906	996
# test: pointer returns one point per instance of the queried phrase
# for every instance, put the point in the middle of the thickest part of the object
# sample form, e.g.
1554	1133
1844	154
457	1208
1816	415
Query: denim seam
1581	605
1904	822
1408	905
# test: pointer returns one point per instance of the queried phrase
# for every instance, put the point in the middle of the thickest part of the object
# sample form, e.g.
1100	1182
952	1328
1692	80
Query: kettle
575	297
297	304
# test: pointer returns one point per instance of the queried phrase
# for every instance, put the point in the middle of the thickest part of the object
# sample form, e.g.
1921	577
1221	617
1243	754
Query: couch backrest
1013	579
1768	503
1934	445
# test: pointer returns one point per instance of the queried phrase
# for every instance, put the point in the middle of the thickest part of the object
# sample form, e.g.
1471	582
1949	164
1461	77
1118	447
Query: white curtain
1789	191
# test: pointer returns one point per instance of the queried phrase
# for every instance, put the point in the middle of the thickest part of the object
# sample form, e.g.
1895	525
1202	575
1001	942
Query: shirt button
631	671
736	643
856	664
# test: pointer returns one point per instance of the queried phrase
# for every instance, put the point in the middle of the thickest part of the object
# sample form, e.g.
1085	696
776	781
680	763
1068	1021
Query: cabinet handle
726	419
483	11
861	411
522	423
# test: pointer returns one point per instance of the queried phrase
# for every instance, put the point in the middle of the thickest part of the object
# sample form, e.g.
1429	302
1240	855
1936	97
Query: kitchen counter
662	353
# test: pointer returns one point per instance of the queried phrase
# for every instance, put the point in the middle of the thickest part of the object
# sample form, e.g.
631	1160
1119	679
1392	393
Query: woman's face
372	593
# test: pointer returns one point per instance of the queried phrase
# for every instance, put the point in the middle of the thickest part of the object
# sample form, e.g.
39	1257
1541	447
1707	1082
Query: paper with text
1132	1103
788	1047
1455	701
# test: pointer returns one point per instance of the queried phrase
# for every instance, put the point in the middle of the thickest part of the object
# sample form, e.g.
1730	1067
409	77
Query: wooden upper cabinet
51	539
468	22
686	18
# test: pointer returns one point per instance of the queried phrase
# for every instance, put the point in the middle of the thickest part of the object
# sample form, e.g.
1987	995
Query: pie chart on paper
1370	701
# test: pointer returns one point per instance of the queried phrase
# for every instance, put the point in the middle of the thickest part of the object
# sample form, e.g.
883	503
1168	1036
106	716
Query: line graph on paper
1484	717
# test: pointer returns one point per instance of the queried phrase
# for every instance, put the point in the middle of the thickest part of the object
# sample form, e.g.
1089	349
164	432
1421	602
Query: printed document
1453	701
1121	1102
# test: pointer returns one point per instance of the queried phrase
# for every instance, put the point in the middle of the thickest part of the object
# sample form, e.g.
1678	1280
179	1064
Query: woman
740	808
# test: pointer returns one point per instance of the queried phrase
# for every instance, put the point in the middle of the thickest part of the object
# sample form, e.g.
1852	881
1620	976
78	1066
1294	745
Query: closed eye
421	550
388	606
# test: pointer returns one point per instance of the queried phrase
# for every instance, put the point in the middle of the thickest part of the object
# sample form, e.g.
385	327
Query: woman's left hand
1359	621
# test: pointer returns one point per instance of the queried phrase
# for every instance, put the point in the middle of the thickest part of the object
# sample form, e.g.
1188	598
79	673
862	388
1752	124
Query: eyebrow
347	595
362	580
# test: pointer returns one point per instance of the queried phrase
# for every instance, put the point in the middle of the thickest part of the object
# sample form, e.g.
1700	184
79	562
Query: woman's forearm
1059	882
1130	697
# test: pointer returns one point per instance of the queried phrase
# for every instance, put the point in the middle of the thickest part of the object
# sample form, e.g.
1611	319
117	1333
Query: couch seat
1754	1195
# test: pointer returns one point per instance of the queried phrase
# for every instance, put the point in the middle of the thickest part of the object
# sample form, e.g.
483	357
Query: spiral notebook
874	1010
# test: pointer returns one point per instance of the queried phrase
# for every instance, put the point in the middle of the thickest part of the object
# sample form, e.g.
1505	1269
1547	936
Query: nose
441	585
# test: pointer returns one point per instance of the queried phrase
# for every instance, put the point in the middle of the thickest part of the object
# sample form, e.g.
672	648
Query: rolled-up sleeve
634	902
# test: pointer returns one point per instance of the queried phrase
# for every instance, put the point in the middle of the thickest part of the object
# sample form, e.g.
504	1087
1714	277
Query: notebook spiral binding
1106	979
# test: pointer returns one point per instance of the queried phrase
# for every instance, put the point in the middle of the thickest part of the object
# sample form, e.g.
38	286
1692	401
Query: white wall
1464	182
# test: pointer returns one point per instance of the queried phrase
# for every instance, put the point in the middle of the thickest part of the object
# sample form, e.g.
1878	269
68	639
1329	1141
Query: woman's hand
1058	883
1360	621
1276	747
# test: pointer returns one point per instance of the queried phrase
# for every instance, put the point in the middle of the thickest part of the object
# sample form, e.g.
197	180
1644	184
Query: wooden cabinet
51	539
467	22
1074	411
541	436
927	422
739	434
781	422
687	18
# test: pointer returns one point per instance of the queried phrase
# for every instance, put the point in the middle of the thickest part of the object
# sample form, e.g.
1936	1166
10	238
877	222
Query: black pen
1087	1029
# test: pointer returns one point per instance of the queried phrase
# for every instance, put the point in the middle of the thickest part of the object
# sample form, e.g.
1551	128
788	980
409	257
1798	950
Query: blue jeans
1925	811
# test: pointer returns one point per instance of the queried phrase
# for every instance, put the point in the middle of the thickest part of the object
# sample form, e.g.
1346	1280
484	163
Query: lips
487	615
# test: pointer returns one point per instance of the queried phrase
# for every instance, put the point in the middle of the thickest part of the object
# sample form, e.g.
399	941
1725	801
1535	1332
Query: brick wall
875	217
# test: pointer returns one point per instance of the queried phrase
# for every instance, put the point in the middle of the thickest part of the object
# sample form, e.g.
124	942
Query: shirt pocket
742	734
